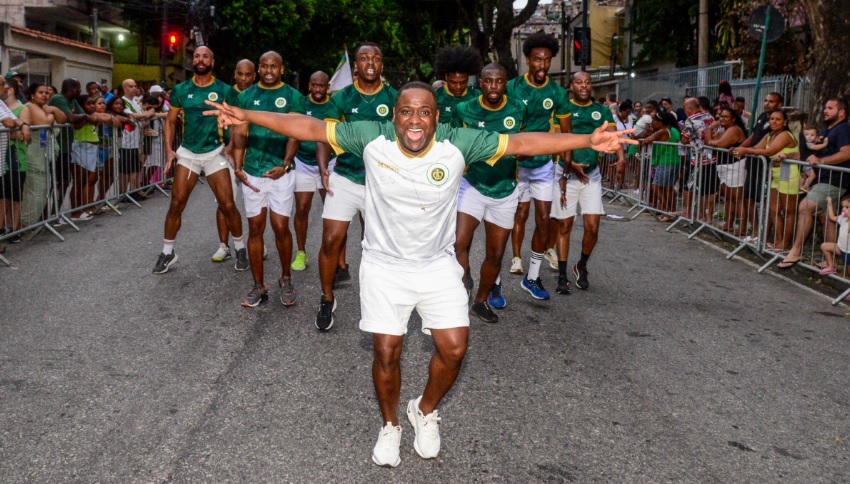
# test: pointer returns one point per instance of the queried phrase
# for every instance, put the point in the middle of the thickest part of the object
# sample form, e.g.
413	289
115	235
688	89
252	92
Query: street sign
757	22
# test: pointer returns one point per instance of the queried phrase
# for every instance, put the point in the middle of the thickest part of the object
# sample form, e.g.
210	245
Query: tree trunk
830	27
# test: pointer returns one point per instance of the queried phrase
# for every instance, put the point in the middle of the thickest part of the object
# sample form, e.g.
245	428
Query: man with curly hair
543	100
454	65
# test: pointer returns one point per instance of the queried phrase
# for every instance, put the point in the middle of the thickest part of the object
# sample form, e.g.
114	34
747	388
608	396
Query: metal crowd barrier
57	189
621	182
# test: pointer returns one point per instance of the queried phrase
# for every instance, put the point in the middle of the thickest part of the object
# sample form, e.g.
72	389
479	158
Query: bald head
271	56
245	64
244	74
495	69
130	88
691	106
319	77
205	50
319	86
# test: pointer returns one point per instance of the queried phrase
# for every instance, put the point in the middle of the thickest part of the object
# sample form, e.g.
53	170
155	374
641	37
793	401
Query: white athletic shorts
308	178
208	163
588	196
348	199
499	211
535	183
278	195
388	296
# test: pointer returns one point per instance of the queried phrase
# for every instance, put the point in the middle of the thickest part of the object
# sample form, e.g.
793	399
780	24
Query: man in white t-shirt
413	172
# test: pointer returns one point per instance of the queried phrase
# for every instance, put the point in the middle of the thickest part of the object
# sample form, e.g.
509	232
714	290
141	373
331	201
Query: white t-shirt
643	123
131	139
411	202
843	238
5	113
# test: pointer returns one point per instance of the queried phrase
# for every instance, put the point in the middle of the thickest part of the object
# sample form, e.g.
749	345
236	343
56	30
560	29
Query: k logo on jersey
280	102
382	110
437	174
213	96
596	115
547	104
510	122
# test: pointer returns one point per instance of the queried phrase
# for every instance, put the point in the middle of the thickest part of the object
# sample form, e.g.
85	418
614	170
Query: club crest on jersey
510	122
596	115
382	110
437	174
280	102
547	103
213	96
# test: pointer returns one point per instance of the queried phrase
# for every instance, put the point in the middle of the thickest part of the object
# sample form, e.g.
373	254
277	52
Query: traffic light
170	45
581	45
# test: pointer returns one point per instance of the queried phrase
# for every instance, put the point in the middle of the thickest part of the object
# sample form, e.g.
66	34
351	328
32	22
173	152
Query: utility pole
585	42
703	33
162	35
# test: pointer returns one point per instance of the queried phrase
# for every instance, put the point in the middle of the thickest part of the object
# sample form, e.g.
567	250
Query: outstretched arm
298	126
536	144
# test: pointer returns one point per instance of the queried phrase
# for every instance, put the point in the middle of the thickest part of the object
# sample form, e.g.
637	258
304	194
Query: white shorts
588	196
208	166
499	211
308	178
277	195
733	175
388	296
535	183
348	199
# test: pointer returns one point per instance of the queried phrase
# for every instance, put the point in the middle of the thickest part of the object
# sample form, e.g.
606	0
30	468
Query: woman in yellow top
784	180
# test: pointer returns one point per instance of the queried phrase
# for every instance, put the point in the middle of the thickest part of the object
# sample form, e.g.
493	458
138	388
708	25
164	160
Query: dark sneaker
535	288
325	318
287	291
258	294
342	275
163	262
581	277
563	285
242	260
482	311
495	298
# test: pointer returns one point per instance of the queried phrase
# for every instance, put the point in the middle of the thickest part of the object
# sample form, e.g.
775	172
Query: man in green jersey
488	192
244	75
199	151
368	99
259	156
311	160
582	187
543	99
454	65
413	169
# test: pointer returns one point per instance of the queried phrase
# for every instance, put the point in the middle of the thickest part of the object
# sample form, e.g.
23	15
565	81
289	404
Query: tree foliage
667	31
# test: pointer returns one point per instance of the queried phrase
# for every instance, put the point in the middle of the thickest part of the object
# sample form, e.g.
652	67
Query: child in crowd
841	249
812	147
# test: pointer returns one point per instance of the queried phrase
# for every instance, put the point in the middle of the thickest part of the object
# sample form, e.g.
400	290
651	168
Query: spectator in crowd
702	178
38	113
104	88
752	188
84	158
643	126
665	162
829	184
831	250
10	121
729	132
107	132
66	101
153	139
725	94
129	159
638	109
51	91
623	119
16	163
808	174
19	80
92	89
739	105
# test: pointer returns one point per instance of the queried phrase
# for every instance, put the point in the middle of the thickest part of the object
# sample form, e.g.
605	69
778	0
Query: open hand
609	141
227	115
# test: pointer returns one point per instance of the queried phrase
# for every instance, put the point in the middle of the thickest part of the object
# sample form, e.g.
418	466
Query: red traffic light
172	39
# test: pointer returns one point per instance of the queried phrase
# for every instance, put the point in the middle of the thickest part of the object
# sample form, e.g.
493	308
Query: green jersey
351	104
542	102
19	145
232	99
307	151
586	118
446	102
265	149
497	179
66	134
200	133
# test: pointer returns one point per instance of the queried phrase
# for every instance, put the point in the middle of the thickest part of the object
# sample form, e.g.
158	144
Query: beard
201	69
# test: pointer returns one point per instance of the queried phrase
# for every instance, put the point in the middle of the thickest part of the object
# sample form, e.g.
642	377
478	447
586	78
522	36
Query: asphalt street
676	365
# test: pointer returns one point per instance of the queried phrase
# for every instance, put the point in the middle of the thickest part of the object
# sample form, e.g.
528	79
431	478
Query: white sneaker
222	254
427	430
516	266
386	451
552	257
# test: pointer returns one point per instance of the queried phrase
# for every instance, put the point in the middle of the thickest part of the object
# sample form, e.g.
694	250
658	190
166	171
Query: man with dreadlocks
454	65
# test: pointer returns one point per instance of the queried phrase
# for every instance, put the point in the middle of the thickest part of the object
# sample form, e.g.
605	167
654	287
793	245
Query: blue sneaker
535	288
495	298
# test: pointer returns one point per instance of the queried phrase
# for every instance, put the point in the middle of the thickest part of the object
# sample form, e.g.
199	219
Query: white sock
222	245
534	266
499	279
238	244
167	247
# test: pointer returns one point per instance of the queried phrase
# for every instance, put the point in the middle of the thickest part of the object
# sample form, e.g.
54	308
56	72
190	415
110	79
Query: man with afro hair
454	65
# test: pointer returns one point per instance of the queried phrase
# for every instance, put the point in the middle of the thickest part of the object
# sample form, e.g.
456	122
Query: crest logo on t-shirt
596	115
548	103
510	122
382	110
213	96
437	174
280	102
